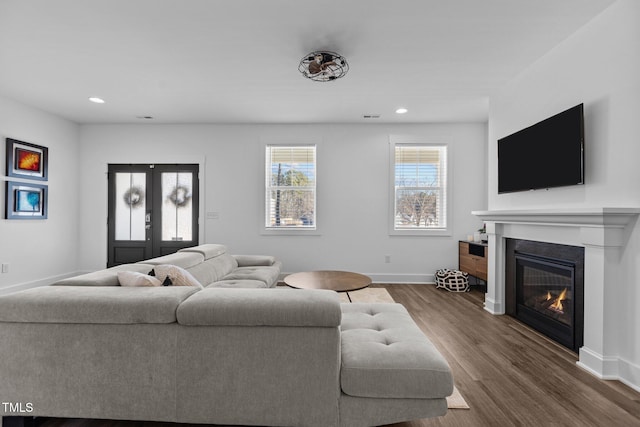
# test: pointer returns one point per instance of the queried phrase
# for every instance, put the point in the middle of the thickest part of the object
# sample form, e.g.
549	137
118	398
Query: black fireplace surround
544	288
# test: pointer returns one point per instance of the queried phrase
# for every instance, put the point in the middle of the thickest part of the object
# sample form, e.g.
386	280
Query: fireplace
545	289
601	234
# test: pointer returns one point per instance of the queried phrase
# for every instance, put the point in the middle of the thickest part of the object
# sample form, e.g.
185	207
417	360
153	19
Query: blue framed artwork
25	201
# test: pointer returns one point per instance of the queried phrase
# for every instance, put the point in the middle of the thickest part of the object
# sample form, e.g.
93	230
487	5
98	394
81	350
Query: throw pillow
167	279
133	278
178	275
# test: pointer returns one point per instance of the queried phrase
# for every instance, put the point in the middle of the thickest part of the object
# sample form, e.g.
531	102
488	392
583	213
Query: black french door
153	210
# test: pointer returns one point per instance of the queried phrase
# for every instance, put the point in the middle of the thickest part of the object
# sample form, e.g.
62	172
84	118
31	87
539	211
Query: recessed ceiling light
401	110
96	100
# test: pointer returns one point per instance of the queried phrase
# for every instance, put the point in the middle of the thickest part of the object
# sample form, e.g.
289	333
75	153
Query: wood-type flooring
508	374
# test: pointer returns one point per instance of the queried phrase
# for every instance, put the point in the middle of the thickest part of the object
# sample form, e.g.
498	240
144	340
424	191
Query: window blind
290	183
420	174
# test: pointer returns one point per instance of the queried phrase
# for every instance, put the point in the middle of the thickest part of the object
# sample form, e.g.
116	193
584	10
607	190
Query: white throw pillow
178	275
133	278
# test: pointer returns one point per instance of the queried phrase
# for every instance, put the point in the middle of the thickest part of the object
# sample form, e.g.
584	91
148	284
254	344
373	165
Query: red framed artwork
26	160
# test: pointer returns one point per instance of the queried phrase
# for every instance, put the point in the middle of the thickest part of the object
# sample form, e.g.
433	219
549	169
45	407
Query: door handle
147	217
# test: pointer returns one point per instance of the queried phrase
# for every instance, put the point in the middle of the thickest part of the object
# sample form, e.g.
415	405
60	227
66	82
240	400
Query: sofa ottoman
388	362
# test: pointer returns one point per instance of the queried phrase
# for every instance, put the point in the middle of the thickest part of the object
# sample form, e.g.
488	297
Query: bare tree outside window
417	208
291	195
420	187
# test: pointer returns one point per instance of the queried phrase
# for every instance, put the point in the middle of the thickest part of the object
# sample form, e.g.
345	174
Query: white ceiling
235	61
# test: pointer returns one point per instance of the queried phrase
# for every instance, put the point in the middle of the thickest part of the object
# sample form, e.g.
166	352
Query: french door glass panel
177	208
131	206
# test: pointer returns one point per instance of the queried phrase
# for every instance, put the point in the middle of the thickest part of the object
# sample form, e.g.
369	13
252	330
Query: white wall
599	66
353	179
41	250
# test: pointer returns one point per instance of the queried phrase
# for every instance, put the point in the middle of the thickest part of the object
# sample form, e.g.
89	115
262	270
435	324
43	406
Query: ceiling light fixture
96	100
401	111
323	66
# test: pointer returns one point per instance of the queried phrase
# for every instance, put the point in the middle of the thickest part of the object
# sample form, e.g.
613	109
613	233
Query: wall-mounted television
547	154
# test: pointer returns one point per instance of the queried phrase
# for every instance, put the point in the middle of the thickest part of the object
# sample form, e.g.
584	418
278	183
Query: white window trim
287	231
435	232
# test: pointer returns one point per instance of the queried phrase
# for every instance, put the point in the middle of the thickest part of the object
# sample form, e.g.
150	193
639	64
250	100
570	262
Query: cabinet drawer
481	269
467	264
472	259
463	248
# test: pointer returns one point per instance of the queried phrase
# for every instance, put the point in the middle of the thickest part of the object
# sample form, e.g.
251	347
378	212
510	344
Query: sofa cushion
268	275
261	307
83	304
181	259
133	278
213	269
108	277
238	284
386	355
208	250
251	260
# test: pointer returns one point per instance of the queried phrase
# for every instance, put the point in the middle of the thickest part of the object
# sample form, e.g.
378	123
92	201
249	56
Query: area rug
367	295
456	401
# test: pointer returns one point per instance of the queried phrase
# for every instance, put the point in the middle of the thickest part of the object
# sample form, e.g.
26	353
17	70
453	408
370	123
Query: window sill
422	233
289	232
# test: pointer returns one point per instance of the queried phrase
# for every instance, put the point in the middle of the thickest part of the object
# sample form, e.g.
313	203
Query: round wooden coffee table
339	281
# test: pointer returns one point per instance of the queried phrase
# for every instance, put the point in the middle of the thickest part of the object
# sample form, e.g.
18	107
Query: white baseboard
609	368
421	279
36	283
603	367
415	279
493	306
629	374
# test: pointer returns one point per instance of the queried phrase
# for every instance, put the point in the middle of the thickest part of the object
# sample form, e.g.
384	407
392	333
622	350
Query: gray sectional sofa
210	264
232	353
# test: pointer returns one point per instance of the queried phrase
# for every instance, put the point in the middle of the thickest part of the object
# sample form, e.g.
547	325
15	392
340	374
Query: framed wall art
25	200
25	160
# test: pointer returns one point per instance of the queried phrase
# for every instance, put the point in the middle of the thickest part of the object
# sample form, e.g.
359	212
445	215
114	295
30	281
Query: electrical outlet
387	259
5	267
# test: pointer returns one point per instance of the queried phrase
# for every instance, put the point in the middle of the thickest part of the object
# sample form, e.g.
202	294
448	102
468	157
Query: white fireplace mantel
588	217
603	232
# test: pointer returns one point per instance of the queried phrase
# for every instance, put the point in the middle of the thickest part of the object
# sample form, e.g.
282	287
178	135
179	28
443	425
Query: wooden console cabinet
472	259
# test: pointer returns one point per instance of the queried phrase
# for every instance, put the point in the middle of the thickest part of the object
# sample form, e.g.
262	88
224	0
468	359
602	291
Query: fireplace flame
557	304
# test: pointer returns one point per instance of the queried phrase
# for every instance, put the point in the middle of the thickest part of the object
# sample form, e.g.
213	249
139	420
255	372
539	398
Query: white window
290	178
419	189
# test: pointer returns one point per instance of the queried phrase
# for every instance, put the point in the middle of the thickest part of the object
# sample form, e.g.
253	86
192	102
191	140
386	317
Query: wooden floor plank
509	374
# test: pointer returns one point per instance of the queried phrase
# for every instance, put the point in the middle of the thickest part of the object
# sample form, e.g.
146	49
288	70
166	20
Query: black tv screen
547	154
